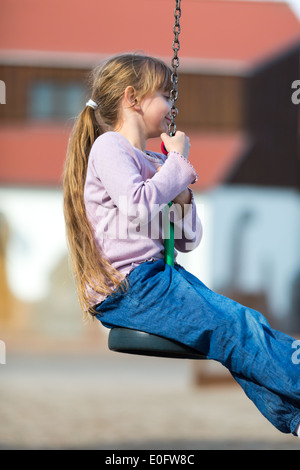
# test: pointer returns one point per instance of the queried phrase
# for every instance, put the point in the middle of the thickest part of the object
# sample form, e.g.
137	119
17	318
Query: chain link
175	65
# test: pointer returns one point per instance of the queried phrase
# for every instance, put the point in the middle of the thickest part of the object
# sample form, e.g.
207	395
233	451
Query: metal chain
175	65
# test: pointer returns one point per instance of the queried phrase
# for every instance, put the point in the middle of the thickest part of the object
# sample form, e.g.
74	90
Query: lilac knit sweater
125	197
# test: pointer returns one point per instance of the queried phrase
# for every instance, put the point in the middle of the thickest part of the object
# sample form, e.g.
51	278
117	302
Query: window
55	100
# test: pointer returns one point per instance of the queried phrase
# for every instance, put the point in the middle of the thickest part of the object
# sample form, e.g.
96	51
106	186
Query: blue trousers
173	303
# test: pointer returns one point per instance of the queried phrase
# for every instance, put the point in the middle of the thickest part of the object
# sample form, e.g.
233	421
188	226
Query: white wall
37	238
269	241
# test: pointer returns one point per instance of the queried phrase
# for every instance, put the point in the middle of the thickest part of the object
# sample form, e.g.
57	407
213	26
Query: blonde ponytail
93	272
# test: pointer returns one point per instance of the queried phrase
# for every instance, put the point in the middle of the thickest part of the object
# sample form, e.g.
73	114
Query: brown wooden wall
18	80
210	102
205	102
271	119
259	104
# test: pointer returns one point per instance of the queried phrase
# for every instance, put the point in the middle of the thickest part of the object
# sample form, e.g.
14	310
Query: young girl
114	195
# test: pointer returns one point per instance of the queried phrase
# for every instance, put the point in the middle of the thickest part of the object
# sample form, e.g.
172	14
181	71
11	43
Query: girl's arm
115	162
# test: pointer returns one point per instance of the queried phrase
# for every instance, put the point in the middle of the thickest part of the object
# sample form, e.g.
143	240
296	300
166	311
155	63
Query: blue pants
173	303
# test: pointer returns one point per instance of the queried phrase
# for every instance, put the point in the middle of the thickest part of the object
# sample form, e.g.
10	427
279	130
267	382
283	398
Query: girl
114	193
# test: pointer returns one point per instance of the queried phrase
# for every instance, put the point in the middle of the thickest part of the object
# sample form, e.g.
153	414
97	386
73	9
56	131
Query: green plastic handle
169	244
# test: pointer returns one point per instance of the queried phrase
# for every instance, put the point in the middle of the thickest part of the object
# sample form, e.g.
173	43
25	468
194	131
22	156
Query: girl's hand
178	143
183	198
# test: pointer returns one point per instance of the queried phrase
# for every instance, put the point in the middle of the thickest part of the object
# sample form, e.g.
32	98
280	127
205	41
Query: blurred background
59	385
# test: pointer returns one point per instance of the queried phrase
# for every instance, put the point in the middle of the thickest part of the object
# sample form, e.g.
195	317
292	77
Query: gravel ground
113	401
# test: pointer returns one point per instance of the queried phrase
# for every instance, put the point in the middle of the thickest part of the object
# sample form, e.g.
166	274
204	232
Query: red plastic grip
163	149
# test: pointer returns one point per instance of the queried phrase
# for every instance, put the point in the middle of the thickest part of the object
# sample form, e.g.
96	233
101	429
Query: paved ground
113	401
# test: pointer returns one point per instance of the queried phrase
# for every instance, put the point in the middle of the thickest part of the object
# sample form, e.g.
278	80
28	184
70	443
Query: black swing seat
126	340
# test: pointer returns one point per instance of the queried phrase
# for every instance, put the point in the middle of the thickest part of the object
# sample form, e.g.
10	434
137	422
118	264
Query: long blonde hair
92	271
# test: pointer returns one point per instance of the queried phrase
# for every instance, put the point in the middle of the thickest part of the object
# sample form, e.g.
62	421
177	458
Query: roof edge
191	65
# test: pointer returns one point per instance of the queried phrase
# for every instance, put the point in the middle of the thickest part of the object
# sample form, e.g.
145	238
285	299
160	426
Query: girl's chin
166	127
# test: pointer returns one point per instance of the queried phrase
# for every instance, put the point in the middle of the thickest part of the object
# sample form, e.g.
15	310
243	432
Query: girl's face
156	113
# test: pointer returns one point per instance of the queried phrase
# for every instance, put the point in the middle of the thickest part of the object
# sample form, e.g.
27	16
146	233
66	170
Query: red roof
213	155
34	155
220	30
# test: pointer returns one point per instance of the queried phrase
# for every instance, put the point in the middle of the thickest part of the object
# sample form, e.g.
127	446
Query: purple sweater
125	197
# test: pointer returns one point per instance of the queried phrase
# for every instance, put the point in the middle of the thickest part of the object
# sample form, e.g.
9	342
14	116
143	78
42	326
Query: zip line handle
169	242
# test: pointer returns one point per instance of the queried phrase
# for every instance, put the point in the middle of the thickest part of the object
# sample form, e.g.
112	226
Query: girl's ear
130	97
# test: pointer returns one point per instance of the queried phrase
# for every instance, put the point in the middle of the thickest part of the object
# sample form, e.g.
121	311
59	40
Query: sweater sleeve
116	163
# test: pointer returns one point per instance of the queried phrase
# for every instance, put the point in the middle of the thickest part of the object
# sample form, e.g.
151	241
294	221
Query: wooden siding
272	120
205	102
208	102
259	105
18	81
